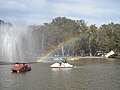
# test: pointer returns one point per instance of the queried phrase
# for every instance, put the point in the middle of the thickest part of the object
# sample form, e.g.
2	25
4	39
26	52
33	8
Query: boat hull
20	69
63	65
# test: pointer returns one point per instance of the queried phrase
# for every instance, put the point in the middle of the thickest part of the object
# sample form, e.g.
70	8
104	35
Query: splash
18	44
58	46
11	46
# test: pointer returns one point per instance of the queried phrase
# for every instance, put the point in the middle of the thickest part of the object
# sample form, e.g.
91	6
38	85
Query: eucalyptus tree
115	36
109	37
63	29
92	39
81	46
89	38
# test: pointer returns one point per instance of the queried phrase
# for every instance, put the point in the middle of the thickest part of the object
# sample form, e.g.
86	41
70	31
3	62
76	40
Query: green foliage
91	38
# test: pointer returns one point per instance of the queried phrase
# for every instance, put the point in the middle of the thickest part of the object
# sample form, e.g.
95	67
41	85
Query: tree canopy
91	38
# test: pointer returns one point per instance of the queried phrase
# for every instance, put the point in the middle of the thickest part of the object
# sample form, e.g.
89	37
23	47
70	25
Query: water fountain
20	45
10	44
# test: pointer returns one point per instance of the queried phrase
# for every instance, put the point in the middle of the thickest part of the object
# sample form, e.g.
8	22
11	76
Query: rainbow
59	45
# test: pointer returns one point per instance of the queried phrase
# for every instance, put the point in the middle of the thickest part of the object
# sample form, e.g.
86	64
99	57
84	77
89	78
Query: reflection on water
87	74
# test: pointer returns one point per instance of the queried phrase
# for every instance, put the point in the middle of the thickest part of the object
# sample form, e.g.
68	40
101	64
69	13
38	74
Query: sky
37	12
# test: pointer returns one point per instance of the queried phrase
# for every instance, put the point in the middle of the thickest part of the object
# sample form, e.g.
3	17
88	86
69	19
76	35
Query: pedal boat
61	65
19	69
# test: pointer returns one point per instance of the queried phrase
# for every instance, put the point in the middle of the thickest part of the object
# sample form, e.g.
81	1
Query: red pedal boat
20	68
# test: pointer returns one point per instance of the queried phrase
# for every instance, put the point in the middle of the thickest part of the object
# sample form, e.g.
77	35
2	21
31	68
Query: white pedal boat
61	65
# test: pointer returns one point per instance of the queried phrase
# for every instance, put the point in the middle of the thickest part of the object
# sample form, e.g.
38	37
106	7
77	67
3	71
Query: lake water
88	74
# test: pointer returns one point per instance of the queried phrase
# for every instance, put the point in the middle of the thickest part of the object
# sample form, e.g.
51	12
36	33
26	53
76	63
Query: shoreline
91	57
79	57
76	57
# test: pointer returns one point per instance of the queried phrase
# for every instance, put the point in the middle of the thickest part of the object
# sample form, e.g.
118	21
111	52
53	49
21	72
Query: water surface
88	74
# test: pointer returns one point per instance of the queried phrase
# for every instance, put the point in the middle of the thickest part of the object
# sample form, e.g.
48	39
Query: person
64	61
25	66
17	64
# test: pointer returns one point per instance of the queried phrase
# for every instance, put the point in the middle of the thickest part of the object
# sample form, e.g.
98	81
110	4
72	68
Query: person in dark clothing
64	61
25	66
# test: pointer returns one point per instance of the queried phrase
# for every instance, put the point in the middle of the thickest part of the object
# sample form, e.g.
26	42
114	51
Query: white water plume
11	46
20	45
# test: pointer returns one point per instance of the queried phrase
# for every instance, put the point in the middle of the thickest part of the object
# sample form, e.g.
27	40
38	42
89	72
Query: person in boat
17	64
64	61
25	66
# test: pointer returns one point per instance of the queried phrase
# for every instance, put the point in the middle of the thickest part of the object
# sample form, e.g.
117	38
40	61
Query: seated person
64	61
25	66
17	65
